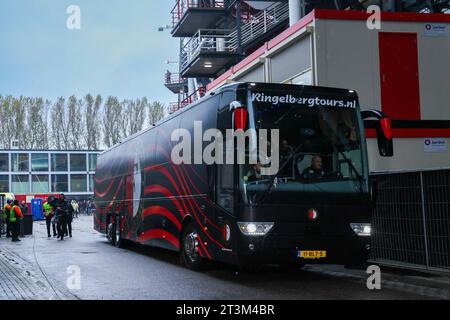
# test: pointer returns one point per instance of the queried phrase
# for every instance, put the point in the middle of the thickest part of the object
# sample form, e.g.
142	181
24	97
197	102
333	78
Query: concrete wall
347	56
282	64
409	154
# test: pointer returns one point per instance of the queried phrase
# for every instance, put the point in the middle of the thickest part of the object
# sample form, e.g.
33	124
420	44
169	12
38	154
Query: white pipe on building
295	11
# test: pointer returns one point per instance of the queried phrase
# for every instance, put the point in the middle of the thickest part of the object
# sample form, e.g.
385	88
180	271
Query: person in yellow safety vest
15	215
6	212
49	212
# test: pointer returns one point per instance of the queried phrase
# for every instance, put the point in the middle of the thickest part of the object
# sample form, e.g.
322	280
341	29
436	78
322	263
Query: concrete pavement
45	266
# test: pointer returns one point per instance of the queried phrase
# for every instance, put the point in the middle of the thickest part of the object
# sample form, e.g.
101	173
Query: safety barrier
411	222
182	6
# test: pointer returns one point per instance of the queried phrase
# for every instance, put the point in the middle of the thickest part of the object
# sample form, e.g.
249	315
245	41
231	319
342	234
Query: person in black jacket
69	220
62	212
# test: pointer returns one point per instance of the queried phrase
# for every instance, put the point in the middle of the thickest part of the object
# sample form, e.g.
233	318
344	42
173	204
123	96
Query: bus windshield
319	143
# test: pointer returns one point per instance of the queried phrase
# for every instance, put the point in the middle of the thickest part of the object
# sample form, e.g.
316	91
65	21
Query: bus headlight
255	228
362	229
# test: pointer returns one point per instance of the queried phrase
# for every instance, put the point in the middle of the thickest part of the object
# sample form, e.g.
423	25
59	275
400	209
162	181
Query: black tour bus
314	209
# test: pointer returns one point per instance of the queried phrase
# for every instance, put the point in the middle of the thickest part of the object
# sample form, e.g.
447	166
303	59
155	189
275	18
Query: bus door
225	175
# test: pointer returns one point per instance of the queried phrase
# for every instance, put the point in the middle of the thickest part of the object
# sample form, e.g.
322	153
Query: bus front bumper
346	250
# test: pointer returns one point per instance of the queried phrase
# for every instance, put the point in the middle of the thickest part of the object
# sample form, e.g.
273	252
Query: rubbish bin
26	225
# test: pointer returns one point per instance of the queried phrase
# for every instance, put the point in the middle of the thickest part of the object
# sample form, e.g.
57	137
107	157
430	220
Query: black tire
189	255
117	239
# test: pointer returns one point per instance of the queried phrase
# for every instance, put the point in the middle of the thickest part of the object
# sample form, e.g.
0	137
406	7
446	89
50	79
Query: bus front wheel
189	254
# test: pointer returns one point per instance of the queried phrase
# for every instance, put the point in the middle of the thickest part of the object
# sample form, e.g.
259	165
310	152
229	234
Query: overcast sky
118	50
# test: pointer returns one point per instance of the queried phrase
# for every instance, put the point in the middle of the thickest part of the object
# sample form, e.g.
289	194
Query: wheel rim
117	233
191	246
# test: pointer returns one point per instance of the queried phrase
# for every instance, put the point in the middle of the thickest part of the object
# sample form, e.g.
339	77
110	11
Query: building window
19	184
91	183
39	162
39	183
60	183
4	162
78	162
59	162
4	183
92	162
19	162
78	183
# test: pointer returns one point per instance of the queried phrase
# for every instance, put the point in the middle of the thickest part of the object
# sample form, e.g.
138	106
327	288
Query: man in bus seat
315	170
255	173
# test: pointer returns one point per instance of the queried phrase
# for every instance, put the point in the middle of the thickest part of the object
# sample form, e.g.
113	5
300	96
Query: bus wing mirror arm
384	131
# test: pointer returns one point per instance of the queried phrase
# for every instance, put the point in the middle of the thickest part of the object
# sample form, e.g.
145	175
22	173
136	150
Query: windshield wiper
271	181
352	166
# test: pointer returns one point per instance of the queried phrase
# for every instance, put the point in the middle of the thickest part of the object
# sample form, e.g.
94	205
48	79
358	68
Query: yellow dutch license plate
312	254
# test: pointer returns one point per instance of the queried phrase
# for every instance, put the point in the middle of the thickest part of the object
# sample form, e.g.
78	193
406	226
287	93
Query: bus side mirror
384	131
384	137
240	115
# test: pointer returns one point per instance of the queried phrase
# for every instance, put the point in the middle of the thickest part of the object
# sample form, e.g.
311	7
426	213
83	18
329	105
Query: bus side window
225	172
225	186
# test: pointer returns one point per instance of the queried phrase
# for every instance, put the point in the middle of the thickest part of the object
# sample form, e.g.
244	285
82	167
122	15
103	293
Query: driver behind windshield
254	174
315	170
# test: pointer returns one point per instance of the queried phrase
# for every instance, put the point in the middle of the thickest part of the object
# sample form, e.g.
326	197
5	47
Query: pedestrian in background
75	208
49	212
24	209
70	214
83	207
15	216
6	215
62	211
1	223
89	207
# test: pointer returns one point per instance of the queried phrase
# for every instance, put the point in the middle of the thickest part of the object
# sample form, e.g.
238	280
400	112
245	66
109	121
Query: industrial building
400	67
37	172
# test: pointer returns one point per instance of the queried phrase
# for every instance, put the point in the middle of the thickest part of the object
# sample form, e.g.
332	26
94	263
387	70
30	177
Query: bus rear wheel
189	254
118	241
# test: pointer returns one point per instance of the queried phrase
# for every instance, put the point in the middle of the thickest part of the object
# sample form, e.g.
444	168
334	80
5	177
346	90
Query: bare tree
37	124
112	121
92	135
155	112
75	123
59	125
134	115
5	123
19	121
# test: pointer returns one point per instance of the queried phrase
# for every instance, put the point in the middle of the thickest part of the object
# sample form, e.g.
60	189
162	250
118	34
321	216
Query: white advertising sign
435	145
436	30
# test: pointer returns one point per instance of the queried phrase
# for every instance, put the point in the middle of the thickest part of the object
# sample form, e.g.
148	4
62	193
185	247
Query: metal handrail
182	6
175	106
173	78
205	40
261	23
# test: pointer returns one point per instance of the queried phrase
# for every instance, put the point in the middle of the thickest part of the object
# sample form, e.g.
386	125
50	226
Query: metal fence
261	23
205	41
411	222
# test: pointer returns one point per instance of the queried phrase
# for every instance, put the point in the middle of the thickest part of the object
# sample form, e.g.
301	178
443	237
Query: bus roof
234	86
